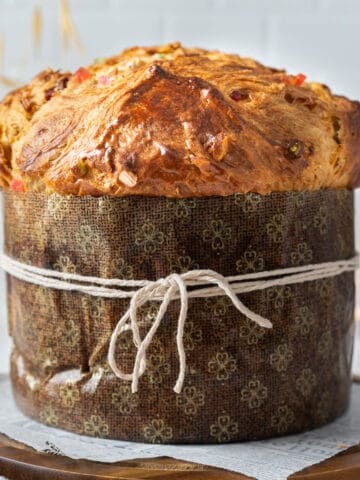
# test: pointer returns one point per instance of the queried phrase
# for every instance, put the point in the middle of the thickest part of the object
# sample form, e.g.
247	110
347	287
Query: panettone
266	162
177	122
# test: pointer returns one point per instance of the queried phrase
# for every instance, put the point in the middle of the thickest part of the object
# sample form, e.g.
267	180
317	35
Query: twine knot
166	289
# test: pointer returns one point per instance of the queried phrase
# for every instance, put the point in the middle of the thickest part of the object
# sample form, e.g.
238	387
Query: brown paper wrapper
243	382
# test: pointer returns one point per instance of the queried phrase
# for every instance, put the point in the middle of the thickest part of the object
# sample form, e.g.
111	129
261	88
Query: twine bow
169	288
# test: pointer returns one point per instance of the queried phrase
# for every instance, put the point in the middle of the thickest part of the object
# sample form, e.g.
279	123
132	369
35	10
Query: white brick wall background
317	37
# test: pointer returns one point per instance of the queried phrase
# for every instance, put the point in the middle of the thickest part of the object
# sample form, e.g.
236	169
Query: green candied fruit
99	60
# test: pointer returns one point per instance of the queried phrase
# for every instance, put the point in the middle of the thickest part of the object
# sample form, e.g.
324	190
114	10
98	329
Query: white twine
205	283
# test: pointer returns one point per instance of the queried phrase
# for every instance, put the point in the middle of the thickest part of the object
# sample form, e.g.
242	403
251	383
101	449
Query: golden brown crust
177	122
16	114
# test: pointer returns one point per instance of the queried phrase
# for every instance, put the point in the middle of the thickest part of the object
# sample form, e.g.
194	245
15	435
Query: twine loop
169	288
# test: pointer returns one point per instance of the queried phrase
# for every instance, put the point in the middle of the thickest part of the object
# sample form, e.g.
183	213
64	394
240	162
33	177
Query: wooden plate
18	461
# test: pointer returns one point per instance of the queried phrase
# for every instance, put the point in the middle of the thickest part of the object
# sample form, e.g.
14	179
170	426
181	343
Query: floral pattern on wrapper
242	381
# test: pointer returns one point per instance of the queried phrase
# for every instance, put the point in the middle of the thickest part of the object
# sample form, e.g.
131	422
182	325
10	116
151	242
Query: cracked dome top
177	122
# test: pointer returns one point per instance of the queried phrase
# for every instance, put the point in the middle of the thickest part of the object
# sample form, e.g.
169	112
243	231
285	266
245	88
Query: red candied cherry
17	186
81	75
296	80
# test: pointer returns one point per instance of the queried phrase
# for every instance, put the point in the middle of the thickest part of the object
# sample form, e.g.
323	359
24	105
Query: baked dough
177	122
